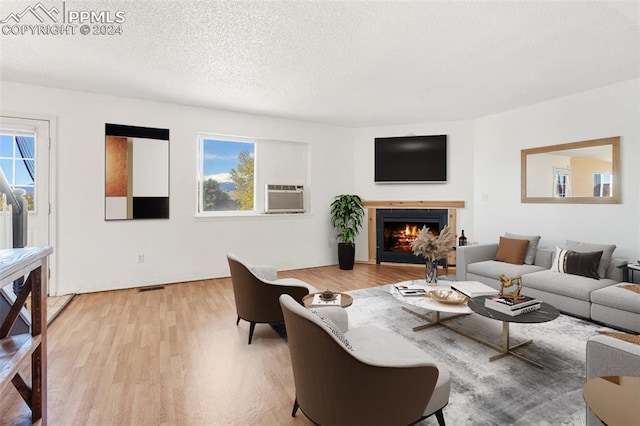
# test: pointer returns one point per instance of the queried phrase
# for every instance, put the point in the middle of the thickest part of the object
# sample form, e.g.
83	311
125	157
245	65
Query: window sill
241	216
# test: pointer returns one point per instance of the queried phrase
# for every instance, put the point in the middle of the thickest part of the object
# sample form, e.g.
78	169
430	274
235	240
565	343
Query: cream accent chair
363	376
256	290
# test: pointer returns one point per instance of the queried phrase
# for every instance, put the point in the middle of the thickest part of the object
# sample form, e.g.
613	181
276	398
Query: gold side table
615	400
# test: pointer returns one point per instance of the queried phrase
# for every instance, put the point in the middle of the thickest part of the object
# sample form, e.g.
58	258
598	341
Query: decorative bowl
448	296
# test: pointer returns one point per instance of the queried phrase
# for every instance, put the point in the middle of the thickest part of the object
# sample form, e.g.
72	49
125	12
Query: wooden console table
15	350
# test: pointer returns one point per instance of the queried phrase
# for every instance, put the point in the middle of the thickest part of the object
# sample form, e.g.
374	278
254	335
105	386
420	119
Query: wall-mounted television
411	159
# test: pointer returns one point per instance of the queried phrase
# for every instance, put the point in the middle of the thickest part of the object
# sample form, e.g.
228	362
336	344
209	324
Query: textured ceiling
349	63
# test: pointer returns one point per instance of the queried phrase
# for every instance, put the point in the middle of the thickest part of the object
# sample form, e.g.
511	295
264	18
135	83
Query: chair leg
238	320
251	328
440	417
295	408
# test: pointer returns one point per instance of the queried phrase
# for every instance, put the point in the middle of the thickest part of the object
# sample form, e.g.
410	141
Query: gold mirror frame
615	172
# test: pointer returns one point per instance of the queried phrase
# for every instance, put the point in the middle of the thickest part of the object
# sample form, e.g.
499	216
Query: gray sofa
600	300
608	356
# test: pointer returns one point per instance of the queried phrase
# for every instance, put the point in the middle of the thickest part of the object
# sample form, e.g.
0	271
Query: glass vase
431	276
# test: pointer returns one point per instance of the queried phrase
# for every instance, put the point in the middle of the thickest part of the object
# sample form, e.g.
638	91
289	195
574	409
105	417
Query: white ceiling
349	63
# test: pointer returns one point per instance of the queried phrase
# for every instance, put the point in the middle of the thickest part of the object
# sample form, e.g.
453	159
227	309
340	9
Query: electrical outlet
140	257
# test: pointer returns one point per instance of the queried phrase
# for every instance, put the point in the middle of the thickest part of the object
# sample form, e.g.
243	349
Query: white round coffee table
430	304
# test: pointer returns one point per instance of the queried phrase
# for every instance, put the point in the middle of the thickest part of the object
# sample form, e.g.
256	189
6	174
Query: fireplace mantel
373	205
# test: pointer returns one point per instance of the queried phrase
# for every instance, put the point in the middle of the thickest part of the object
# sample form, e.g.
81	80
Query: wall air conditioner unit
284	199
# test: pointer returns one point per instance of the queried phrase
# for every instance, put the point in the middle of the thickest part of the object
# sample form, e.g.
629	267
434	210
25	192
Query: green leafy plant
347	213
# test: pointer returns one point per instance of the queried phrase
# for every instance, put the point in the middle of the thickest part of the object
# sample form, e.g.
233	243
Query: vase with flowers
433	248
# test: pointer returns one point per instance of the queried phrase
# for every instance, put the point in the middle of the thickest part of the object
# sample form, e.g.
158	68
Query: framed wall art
136	172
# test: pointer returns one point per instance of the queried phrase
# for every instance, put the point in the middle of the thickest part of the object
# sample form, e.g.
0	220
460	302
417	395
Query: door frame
52	187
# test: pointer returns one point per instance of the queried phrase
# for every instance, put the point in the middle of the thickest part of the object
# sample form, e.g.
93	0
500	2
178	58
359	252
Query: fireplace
397	228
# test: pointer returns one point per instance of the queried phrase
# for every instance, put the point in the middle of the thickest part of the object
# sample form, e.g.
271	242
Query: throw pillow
607	253
511	250
584	264
530	257
570	262
337	333
559	259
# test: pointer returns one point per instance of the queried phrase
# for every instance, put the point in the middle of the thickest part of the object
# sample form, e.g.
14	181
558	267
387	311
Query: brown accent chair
363	376
256	290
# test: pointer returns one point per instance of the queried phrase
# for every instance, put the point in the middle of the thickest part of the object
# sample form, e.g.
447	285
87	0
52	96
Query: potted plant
347	213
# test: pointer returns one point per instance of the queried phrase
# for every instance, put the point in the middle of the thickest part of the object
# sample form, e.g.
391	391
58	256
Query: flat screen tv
411	159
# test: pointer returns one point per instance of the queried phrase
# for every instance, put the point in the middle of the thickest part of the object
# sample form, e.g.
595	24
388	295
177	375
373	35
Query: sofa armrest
466	255
608	356
614	271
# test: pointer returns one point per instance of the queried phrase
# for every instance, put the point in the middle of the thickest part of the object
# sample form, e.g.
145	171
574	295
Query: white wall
608	111
93	254
483	171
459	185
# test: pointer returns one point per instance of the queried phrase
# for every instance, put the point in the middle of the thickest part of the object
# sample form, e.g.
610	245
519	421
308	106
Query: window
561	187
17	161
226	175
602	184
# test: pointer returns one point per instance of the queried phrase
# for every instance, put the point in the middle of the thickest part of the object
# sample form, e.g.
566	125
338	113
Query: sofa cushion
607	252
618	298
511	250
573	286
493	269
383	347
534	240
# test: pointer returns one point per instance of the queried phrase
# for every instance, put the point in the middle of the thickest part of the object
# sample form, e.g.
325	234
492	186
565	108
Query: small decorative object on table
432	248
327	295
450	297
506	282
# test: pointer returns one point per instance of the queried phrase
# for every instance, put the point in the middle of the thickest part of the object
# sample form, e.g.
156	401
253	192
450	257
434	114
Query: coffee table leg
431	321
508	350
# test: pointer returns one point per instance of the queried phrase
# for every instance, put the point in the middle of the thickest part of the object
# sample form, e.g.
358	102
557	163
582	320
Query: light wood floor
175	356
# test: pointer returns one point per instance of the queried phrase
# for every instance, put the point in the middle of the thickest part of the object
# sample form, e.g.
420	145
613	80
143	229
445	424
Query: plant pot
346	255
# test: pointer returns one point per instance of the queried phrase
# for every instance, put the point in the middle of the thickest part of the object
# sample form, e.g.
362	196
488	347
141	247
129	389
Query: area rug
503	392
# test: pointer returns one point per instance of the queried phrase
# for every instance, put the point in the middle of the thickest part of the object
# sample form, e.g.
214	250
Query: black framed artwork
136	172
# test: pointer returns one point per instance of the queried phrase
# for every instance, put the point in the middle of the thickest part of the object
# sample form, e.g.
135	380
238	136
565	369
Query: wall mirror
136	172
586	172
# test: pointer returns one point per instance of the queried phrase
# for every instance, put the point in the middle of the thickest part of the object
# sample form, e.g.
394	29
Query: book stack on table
512	307
411	291
473	288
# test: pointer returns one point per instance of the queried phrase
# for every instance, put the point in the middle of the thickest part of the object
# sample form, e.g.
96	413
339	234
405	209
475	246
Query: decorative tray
451	297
